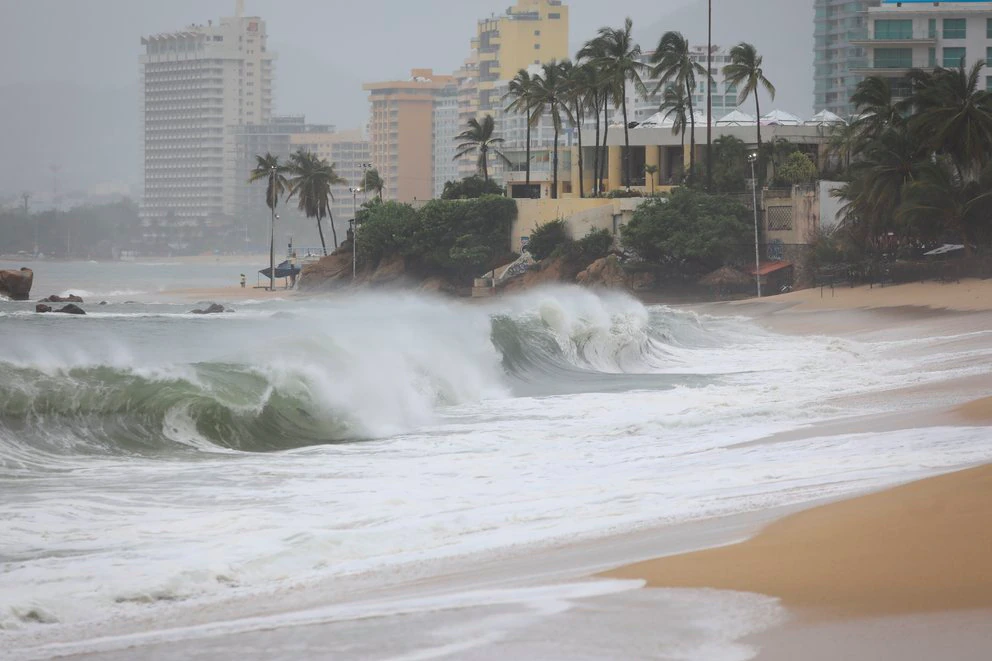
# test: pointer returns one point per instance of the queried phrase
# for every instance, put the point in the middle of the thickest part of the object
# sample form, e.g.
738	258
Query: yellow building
401	130
531	32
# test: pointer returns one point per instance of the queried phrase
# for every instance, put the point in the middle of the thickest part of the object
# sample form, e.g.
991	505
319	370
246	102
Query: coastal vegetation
311	179
456	239
90	232
918	170
480	138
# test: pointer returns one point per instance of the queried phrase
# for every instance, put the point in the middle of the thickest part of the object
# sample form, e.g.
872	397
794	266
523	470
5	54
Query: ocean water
294	477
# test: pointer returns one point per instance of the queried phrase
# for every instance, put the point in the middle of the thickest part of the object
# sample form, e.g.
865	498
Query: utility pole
272	230
709	97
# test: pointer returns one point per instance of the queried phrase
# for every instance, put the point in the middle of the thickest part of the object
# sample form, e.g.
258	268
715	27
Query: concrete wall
581	215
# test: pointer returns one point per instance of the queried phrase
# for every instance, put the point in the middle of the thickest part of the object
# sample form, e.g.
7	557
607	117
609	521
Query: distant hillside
92	134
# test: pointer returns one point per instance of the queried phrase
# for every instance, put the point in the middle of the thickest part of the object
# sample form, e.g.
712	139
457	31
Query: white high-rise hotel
196	84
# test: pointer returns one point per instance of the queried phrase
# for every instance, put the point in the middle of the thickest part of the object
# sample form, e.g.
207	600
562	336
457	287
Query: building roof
770	267
780	118
824	117
737	118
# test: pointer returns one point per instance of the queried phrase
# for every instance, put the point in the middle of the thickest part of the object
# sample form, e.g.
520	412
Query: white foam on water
463	465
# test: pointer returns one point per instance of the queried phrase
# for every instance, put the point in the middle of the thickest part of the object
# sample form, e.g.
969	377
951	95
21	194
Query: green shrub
547	238
384	229
613	194
689	225
594	245
470	188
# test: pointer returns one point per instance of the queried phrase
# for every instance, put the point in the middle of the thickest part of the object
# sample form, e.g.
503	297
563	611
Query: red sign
253	26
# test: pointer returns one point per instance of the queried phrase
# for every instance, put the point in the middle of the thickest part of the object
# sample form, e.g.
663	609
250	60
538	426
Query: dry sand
967	295
920	547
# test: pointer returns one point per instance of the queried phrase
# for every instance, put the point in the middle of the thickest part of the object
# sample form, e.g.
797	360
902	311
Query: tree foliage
547	238
457	238
690	226
470	188
798	169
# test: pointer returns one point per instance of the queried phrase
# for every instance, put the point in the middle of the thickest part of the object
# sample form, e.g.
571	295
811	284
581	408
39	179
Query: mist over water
151	459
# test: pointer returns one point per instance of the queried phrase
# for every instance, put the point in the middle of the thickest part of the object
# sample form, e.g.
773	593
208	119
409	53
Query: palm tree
268	167
745	72
371	181
602	90
845	139
550	97
955	118
675	104
673	63
650	171
579	80
311	184
940	199
877	110
479	137
620	61
521	90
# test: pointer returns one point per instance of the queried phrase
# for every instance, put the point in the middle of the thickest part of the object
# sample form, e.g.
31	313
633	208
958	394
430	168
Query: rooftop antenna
239	8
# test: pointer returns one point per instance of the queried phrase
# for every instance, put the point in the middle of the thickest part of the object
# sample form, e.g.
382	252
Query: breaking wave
374	367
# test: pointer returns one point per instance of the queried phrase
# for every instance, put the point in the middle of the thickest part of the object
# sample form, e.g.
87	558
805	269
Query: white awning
737	118
780	118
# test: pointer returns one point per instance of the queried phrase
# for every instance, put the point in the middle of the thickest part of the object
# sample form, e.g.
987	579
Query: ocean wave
361	371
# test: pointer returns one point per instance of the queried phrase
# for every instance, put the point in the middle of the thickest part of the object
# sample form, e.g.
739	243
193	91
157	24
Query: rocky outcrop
390	270
604	272
54	298
213	308
551	270
16	285
41	307
328	272
71	309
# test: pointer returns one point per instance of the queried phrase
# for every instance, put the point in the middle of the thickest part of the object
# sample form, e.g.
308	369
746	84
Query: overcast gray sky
69	72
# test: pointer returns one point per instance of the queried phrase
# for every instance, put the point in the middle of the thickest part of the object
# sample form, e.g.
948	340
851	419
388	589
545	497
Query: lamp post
752	158
272	229
354	190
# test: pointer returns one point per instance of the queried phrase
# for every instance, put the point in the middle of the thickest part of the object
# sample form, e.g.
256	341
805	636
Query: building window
932	58
955	28
953	57
988	28
537	46
554	16
894	29
988	83
537	33
894	58
988	57
932	28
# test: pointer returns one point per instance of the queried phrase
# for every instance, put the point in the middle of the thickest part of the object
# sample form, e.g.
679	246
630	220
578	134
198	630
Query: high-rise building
467	79
923	35
349	152
197	84
401	130
838	23
446	127
531	32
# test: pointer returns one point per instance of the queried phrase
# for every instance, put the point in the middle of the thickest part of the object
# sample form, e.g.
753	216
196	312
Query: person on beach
292	270
242	280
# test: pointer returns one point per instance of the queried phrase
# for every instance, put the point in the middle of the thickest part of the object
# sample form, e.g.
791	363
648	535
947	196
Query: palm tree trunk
626	142
320	230
527	116
334	233
484	157
757	110
692	133
554	189
595	155
606	133
578	121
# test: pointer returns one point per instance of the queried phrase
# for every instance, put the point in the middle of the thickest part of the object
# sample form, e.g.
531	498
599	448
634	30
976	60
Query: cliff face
16	285
334	272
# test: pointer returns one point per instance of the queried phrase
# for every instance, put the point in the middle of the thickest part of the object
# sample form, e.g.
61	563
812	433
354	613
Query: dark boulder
16	285
213	308
71	309
103	302
41	307
54	298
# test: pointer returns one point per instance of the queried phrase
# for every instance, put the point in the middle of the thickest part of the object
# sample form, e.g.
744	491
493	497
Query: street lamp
354	190
752	159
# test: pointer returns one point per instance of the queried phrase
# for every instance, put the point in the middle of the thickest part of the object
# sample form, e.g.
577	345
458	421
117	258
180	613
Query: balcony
911	41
